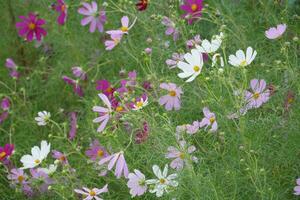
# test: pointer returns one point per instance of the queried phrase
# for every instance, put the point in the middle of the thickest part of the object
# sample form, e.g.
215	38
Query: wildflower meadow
149	99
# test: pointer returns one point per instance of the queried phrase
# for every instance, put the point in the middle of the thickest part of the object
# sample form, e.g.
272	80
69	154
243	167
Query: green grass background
265	168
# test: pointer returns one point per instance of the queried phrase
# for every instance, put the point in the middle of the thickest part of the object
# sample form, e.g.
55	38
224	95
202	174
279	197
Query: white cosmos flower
140	104
242	60
210	47
43	118
193	66
217	57
163	182
38	155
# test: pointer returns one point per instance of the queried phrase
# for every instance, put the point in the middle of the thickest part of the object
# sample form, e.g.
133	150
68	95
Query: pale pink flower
275	32
123	30
172	99
103	112
115	40
209	120
118	160
93	193
137	183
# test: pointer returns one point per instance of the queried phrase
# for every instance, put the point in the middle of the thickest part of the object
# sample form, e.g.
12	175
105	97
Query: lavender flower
103	112
172	99
73	129
117	160
96	151
259	94
171	29
176	57
60	156
209	120
137	183
193	42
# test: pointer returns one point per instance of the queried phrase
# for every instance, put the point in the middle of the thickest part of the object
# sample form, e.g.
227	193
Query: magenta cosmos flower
297	188
96	151
180	155
62	9
176	57
137	183
209	120
31	27
275	32
171	28
258	95
172	99
193	9
78	72
6	151
12	67
103	112
93	193
95	18
117	160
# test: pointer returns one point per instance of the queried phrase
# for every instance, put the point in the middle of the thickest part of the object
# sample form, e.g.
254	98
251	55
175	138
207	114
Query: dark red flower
142	134
6	151
142	5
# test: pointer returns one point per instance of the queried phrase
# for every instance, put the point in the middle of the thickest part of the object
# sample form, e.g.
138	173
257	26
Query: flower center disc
37	161
256	95
124	29
92	193
100	153
196	68
194	7
162	180
31	26
119	109
139	104
20	179
172	93
181	155
211	120
63	8
243	63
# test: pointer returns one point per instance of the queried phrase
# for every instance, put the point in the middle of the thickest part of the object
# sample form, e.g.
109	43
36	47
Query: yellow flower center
196	68
92	193
109	89
243	63
100	153
181	155
290	100
124	29
119	109
162	180
2	154
62	158
37	161
256	95
31	26
211	120
194	7
139	104
20	179
172	93
63	8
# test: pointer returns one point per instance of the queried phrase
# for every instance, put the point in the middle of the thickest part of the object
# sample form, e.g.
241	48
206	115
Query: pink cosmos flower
95	18
79	73
76	87
123	30
62	9
60	156
171	29
180	155
115	40
193	9
176	57
96	151
73	125
275	32
103	112
260	94
117	160
17	176
192	128
31	27
93	193
193	42
137	183
12	67
172	99
41	177
5	104
209	120
297	188
6	151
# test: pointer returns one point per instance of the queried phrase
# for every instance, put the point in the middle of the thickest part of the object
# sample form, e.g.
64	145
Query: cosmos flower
124	28
17	176
48	170
115	40
62	9
258	95
96	151
141	5
31	27
209	120
163	183
38	155
192	128
42	178
12	67
192	10
62	158
73	125
217	58
275	32
193	42
43	118
172	99
137	183
180	155
193	66
103	112
118	160
140	103
171	28
95	18
210	46
5	104
105	87
79	73
93	193
142	134
6	151
76	87
242	60
297	188
176	57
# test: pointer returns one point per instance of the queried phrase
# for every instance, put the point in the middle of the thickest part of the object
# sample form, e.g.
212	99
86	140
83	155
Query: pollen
119	109
2	154
100	153
162	180
172	93
31	26
37	161
139	104
256	95
212	120
63	8
194	7
196	68
92	193
181	155
20	179
124	29
243	63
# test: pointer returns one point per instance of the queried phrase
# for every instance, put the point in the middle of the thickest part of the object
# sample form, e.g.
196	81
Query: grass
254	157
